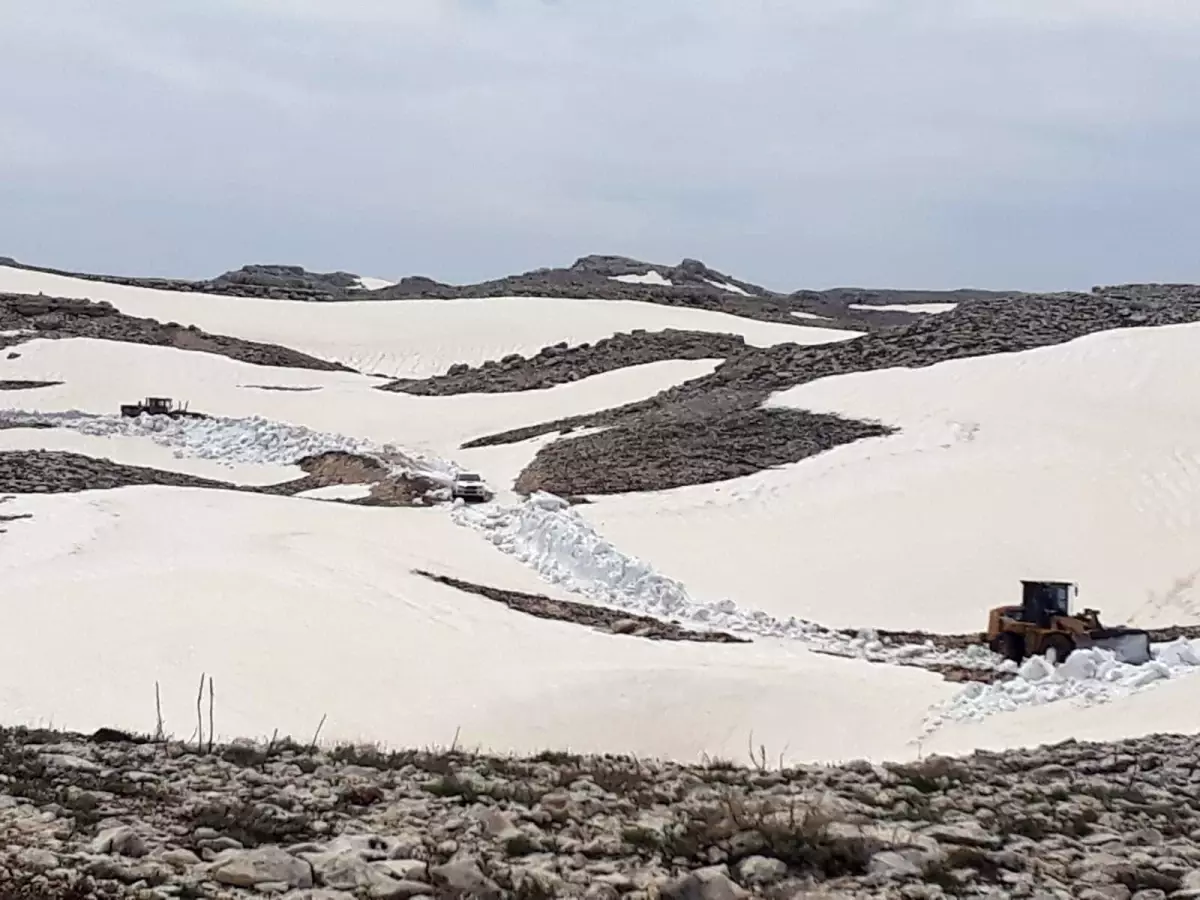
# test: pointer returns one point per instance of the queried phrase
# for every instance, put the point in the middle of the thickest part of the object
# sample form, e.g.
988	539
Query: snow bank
303	590
651	277
726	286
548	535
374	284
907	307
249	440
1088	677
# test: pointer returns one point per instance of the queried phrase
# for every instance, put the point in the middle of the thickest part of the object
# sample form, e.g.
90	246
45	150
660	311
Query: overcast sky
795	143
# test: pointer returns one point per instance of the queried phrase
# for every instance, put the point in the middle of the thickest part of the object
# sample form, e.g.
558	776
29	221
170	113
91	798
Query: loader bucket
1131	647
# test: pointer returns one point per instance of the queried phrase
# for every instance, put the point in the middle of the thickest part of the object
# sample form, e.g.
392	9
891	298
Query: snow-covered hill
1075	460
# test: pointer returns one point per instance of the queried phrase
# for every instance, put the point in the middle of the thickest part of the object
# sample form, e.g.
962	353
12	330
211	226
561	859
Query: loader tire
1061	645
1009	645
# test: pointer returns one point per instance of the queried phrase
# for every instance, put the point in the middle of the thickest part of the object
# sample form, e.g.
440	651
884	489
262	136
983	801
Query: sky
1008	144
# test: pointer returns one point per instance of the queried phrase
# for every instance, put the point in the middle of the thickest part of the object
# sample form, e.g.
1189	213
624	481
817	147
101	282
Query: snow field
314	610
1078	462
98	376
411	338
548	535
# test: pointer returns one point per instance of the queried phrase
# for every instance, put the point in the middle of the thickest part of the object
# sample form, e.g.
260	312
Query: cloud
930	143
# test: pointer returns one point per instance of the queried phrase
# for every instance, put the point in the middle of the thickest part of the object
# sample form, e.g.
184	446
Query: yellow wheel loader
1043	625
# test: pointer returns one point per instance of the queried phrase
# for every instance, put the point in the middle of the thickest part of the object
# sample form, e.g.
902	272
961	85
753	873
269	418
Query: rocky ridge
562	364
692	284
115	816
714	428
27	316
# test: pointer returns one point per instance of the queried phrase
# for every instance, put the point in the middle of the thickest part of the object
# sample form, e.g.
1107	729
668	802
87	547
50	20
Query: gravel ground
103	816
562	364
598	617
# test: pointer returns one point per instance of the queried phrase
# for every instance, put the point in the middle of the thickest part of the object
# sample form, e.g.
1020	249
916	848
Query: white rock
247	868
121	840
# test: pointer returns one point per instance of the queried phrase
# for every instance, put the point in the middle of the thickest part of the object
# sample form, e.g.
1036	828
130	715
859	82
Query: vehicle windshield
469	477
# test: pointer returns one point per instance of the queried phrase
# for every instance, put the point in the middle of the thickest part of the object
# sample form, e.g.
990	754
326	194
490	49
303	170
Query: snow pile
546	534
1089	676
651	277
229	440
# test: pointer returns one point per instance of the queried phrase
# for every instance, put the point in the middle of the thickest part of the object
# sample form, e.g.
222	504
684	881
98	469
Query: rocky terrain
114	816
25	316
562	364
714	428
57	472
600	618
19	385
692	284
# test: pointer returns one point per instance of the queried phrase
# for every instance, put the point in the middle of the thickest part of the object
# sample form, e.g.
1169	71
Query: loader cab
1041	601
158	404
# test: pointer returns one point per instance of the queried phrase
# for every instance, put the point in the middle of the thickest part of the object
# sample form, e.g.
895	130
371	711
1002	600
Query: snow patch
907	307
808	315
17	332
651	277
549	536
374	284
1088	677
726	286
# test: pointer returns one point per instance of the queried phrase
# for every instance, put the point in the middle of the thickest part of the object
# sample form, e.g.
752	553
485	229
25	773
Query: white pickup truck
471	488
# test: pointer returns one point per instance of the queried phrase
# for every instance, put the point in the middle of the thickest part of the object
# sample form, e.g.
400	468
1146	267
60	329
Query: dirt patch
561	364
598	617
60	317
339	467
18	385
